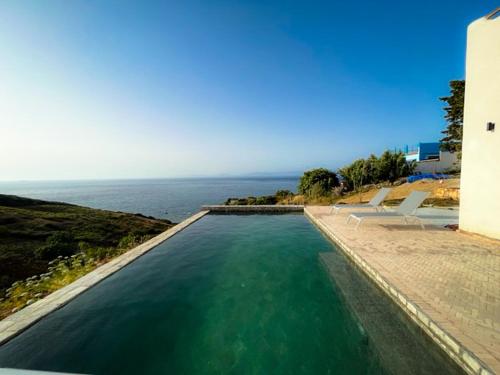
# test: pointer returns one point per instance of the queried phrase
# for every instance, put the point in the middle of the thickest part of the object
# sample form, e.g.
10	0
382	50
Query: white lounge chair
373	203
406	210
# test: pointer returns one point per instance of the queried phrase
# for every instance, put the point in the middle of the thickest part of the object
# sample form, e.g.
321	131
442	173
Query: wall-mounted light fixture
490	126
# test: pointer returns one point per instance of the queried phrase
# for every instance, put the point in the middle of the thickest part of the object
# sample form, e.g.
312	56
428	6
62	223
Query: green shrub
251	201
129	241
283	194
101	253
266	199
57	244
319	182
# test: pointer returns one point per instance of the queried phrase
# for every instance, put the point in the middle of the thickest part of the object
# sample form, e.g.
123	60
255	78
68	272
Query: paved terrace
448	282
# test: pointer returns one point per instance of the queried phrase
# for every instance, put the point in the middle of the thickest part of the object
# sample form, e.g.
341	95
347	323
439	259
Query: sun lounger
405	211
373	203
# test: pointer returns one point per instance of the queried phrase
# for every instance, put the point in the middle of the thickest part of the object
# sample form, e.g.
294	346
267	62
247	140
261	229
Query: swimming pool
230	294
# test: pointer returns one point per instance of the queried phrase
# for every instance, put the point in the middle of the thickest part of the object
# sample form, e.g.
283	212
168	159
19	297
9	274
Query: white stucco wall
447	160
480	180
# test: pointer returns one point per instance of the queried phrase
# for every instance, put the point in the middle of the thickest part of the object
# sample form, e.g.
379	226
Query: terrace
446	281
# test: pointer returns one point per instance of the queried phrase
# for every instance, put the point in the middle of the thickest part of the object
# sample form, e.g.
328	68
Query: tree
355	174
390	166
393	165
452	140
401	167
318	182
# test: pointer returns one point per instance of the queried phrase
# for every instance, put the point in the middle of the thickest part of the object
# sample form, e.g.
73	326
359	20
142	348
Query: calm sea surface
173	199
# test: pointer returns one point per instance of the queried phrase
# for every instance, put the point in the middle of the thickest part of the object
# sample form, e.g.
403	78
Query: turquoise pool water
241	294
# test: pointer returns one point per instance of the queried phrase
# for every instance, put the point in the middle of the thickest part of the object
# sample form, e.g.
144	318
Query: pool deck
448	282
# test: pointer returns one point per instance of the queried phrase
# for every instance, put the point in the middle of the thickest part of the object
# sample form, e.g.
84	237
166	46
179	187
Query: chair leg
348	219
357	225
421	222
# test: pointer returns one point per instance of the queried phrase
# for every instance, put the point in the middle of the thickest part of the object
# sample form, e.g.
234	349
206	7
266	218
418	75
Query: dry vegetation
402	191
443	193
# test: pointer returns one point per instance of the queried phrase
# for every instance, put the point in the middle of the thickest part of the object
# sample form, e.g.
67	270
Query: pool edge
460	354
261	208
18	322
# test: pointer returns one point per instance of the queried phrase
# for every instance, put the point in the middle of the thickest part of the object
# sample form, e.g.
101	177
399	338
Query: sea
174	199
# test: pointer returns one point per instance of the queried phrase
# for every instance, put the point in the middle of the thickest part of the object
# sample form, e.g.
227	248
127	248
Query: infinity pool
242	294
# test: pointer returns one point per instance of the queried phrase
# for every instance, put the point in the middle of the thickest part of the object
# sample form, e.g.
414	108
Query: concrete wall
480	181
447	160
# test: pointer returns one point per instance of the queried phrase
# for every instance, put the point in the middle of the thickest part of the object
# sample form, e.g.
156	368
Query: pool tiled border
459	353
16	323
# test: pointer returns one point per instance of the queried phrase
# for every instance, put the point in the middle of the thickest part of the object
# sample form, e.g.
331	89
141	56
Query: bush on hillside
318	182
283	194
250	201
265	199
57	244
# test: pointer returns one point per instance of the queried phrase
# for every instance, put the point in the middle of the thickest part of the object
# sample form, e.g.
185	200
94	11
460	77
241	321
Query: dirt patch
443	192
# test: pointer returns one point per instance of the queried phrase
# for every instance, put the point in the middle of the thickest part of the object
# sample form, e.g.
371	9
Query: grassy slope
402	191
395	197
26	223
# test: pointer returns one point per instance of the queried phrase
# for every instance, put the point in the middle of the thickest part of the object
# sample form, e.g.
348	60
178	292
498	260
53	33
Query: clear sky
119	89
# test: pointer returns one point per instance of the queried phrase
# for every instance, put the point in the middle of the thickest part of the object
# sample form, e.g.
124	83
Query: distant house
480	180
430	159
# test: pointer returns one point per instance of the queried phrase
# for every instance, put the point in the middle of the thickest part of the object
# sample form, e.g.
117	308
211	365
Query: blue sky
119	89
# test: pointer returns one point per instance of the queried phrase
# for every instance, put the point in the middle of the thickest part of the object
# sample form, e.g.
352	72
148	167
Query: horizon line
263	175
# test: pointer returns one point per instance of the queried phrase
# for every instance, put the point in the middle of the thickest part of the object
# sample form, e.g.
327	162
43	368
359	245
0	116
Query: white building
430	159
446	161
480	180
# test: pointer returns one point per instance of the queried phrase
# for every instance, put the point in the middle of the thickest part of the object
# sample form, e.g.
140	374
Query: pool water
242	294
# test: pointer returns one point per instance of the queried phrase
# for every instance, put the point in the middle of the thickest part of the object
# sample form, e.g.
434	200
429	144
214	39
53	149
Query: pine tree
452	140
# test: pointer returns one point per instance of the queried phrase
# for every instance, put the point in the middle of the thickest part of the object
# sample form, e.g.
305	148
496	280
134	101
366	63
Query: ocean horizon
174	199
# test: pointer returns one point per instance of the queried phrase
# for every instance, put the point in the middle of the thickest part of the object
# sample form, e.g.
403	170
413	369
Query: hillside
443	193
33	231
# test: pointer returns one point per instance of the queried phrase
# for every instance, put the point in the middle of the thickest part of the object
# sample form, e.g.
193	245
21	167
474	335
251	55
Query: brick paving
454	278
